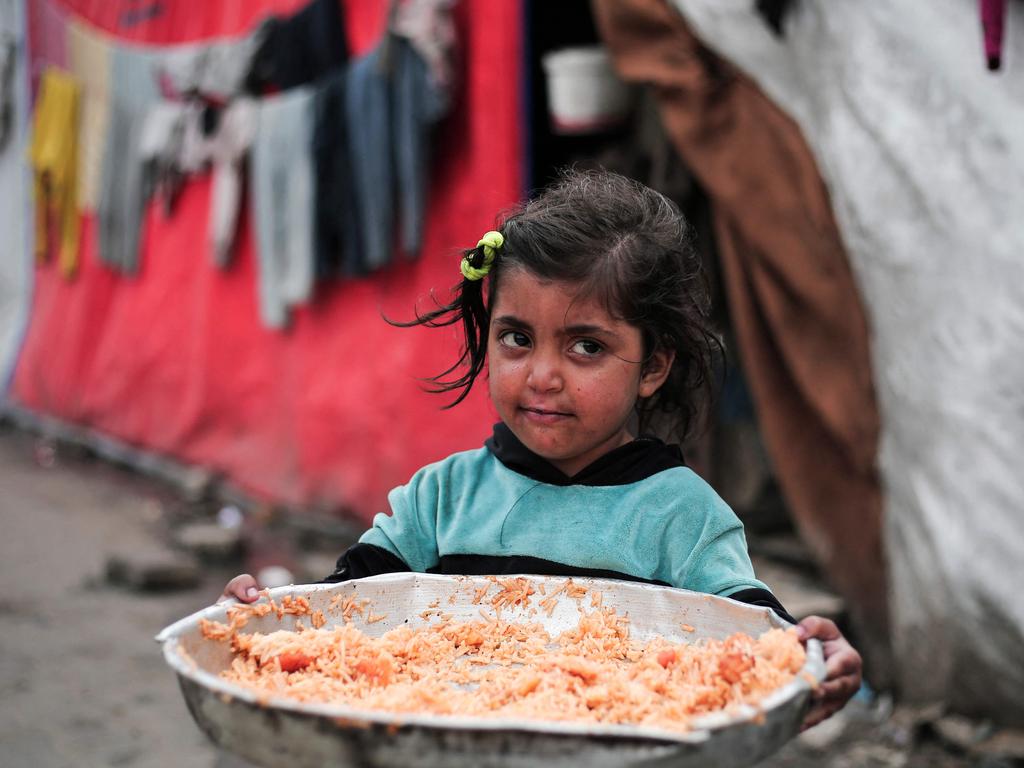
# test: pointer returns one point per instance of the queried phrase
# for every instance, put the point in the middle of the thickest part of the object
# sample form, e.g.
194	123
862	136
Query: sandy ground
82	683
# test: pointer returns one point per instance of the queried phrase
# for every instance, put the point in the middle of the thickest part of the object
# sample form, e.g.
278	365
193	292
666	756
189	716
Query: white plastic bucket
584	93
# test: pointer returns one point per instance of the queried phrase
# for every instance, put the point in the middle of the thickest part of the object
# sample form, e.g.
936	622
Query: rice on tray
490	667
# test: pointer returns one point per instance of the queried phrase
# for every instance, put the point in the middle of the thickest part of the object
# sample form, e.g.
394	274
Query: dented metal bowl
283	732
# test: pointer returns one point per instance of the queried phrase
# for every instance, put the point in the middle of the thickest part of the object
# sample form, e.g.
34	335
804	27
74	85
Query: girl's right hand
242	588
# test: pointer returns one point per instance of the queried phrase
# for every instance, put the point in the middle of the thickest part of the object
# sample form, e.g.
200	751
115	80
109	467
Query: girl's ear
655	371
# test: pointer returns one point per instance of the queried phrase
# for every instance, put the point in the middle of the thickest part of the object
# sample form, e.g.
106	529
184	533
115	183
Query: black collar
626	464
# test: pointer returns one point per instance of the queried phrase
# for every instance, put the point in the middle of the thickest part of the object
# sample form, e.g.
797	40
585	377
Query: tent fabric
174	360
923	155
16	210
797	313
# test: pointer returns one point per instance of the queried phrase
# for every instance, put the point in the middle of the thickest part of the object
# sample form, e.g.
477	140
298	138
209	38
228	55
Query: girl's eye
587	348
514	339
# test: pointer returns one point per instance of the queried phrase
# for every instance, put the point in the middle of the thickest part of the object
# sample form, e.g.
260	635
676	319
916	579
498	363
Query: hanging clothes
217	131
428	25
337	232
53	156
10	34
138	81
391	105
8	51
215	70
133	89
180	139
419	103
229	145
160	151
282	192
89	61
368	120
299	49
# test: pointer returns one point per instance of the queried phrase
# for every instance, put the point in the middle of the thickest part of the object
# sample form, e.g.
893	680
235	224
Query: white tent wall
15	210
922	150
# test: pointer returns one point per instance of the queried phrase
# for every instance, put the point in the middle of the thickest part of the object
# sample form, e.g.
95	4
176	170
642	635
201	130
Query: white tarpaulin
15	264
922	150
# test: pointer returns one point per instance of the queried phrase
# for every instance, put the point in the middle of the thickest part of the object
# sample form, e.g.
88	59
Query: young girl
588	312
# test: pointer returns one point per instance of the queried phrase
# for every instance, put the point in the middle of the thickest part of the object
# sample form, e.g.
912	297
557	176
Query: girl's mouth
543	415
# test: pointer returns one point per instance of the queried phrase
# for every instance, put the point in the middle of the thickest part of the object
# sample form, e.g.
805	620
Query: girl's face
563	374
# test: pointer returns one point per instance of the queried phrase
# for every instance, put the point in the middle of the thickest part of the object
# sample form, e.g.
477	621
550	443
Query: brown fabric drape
798	318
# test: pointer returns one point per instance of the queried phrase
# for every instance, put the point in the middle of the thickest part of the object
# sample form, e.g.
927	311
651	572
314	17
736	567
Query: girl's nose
545	374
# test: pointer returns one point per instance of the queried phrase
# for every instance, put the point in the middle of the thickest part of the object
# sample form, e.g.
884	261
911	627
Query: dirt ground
82	683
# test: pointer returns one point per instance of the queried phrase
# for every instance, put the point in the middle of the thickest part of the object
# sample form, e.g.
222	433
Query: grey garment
419	103
8	50
282	202
133	90
135	75
368	118
391	103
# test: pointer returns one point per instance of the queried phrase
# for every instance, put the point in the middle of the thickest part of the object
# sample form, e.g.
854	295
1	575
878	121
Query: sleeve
708	549
721	565
410	531
361	560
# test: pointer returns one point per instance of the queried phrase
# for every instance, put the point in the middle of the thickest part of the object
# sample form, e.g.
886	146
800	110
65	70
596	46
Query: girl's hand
842	669
242	588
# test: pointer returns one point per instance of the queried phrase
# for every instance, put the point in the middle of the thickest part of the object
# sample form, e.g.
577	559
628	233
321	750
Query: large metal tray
283	732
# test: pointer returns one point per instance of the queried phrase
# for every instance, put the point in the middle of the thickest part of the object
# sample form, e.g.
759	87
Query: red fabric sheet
329	412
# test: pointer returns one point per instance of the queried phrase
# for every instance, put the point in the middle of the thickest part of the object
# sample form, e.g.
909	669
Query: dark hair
624	244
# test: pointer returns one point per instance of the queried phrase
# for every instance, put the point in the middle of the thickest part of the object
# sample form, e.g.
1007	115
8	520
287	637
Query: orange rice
490	667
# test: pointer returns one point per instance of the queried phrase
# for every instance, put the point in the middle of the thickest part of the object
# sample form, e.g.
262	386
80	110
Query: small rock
1005	743
196	483
45	453
875	755
230	516
961	732
210	541
152	511
153	571
916	716
227	760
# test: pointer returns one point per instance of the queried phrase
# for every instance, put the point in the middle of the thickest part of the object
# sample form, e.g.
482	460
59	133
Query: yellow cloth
89	62
53	155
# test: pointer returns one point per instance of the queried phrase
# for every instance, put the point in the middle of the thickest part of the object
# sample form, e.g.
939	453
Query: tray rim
701	731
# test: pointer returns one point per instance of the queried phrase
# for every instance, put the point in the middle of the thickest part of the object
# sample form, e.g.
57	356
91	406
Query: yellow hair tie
491	243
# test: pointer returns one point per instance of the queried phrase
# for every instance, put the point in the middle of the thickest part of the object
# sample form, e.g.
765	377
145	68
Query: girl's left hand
842	669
